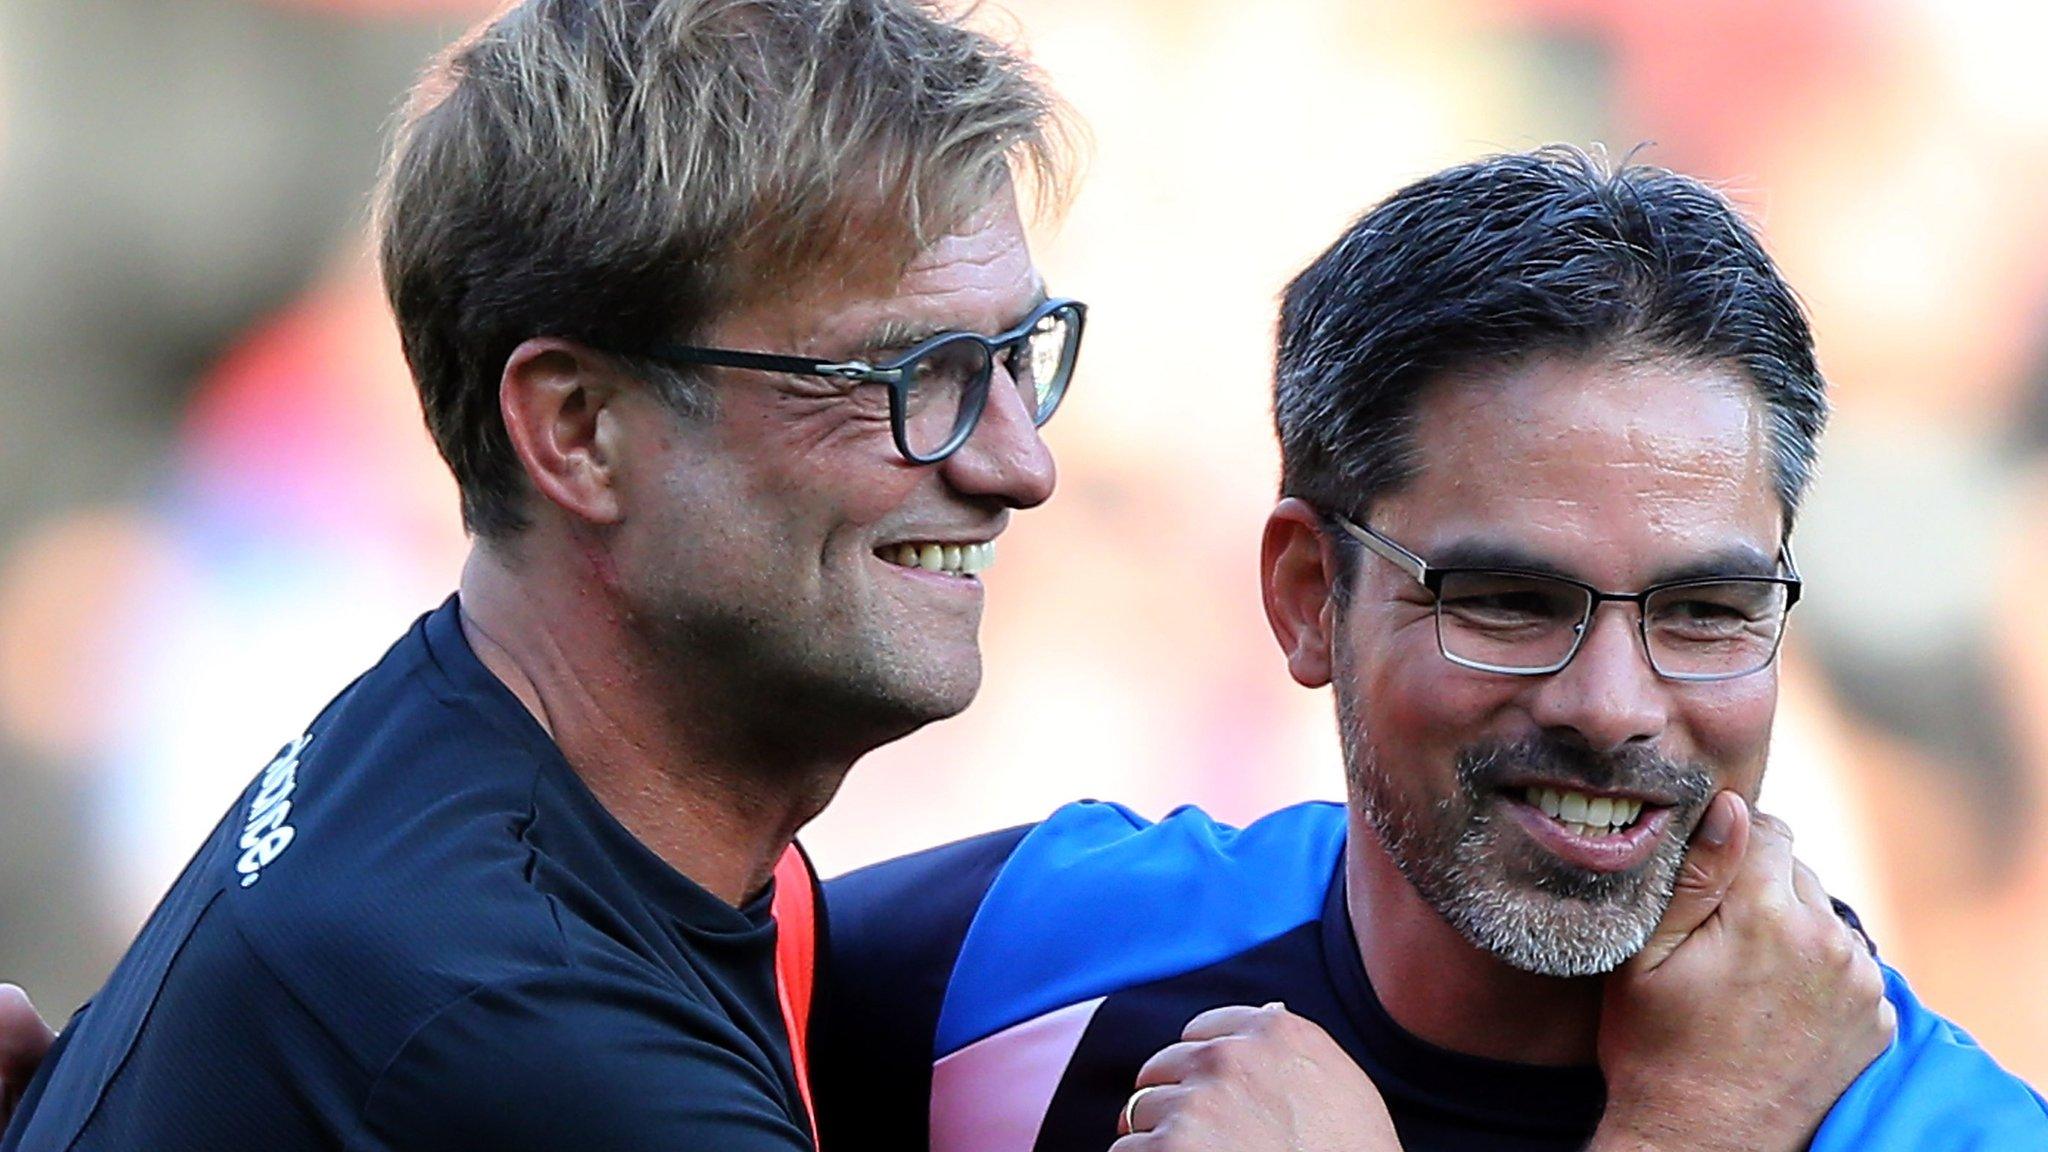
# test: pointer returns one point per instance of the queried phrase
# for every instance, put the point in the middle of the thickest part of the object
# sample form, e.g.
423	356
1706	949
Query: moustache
1486	768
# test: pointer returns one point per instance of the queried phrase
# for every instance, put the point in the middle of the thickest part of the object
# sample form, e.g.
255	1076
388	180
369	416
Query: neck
1439	987
668	757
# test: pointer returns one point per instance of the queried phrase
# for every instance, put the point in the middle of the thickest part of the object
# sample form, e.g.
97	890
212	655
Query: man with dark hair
722	315
1545	426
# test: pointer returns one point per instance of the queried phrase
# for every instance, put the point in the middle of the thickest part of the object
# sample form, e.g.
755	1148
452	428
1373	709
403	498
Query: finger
1712	862
24	1037
1232	1020
1171	1064
1767	868
1144	1108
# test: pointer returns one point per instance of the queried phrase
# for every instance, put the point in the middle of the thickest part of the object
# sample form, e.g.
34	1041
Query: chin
939	677
899	700
1545	936
946	697
1564	925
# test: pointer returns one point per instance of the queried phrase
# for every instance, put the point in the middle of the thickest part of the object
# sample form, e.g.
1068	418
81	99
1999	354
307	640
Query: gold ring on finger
1130	1122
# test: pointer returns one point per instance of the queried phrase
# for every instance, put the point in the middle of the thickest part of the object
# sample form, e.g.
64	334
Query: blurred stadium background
217	502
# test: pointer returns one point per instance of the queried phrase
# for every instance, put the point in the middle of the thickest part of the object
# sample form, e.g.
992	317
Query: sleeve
892	933
546	1066
1933	1090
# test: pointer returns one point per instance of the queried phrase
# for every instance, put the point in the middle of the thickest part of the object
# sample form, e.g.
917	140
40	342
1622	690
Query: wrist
1648	1125
1674	1127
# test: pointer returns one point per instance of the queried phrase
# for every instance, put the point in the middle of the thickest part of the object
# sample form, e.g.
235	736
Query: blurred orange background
217	501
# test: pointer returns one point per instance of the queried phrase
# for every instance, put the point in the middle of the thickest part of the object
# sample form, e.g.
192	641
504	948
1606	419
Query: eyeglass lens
948	383
1513	622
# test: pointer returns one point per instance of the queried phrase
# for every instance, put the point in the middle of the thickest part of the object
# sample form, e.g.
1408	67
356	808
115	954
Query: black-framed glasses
938	389
1531	623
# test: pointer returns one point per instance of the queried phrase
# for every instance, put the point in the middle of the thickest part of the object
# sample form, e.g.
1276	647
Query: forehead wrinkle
1596	417
864	309
1738	558
897	333
1669	463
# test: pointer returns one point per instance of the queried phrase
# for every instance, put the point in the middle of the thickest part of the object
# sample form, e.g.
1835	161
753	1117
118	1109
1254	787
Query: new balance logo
266	835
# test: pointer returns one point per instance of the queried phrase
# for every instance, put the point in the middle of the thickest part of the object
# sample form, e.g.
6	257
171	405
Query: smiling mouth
1584	814
966	560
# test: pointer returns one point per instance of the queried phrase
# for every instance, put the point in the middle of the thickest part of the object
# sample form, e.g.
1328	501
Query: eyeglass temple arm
1791	570
1389	551
766	362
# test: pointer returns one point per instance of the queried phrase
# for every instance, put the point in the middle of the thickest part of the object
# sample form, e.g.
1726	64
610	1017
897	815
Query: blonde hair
620	171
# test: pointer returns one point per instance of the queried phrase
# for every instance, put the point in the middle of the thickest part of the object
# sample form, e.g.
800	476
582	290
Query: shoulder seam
261	961
362	1118
377	1079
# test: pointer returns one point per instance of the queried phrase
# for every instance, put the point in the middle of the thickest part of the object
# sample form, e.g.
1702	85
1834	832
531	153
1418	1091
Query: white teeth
1584	815
957	559
1598	809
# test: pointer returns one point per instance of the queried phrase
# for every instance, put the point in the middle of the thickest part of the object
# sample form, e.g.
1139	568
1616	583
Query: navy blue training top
417	929
1001	993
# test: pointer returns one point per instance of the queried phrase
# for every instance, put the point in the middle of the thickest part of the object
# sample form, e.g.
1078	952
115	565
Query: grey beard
1531	910
1581	929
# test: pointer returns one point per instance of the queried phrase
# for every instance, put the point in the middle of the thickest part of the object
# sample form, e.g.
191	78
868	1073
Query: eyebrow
1733	560
900	335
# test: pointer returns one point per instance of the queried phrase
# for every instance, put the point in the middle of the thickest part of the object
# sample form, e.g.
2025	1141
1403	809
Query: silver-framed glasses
1522	623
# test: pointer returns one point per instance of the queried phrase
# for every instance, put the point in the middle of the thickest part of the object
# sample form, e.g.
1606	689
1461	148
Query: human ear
555	396
1297	567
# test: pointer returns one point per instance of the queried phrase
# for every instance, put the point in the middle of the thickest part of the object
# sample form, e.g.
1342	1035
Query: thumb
24	1039
1711	863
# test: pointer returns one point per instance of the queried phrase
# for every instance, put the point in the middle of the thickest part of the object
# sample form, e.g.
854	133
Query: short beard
1521	904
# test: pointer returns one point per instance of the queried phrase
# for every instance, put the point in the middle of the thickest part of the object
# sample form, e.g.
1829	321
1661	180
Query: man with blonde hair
722	314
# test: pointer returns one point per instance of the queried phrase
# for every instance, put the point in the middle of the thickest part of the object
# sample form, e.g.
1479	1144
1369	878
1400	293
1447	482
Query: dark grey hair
1520	255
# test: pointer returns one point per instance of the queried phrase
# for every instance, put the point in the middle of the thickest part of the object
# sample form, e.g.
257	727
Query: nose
1608	696
1004	457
